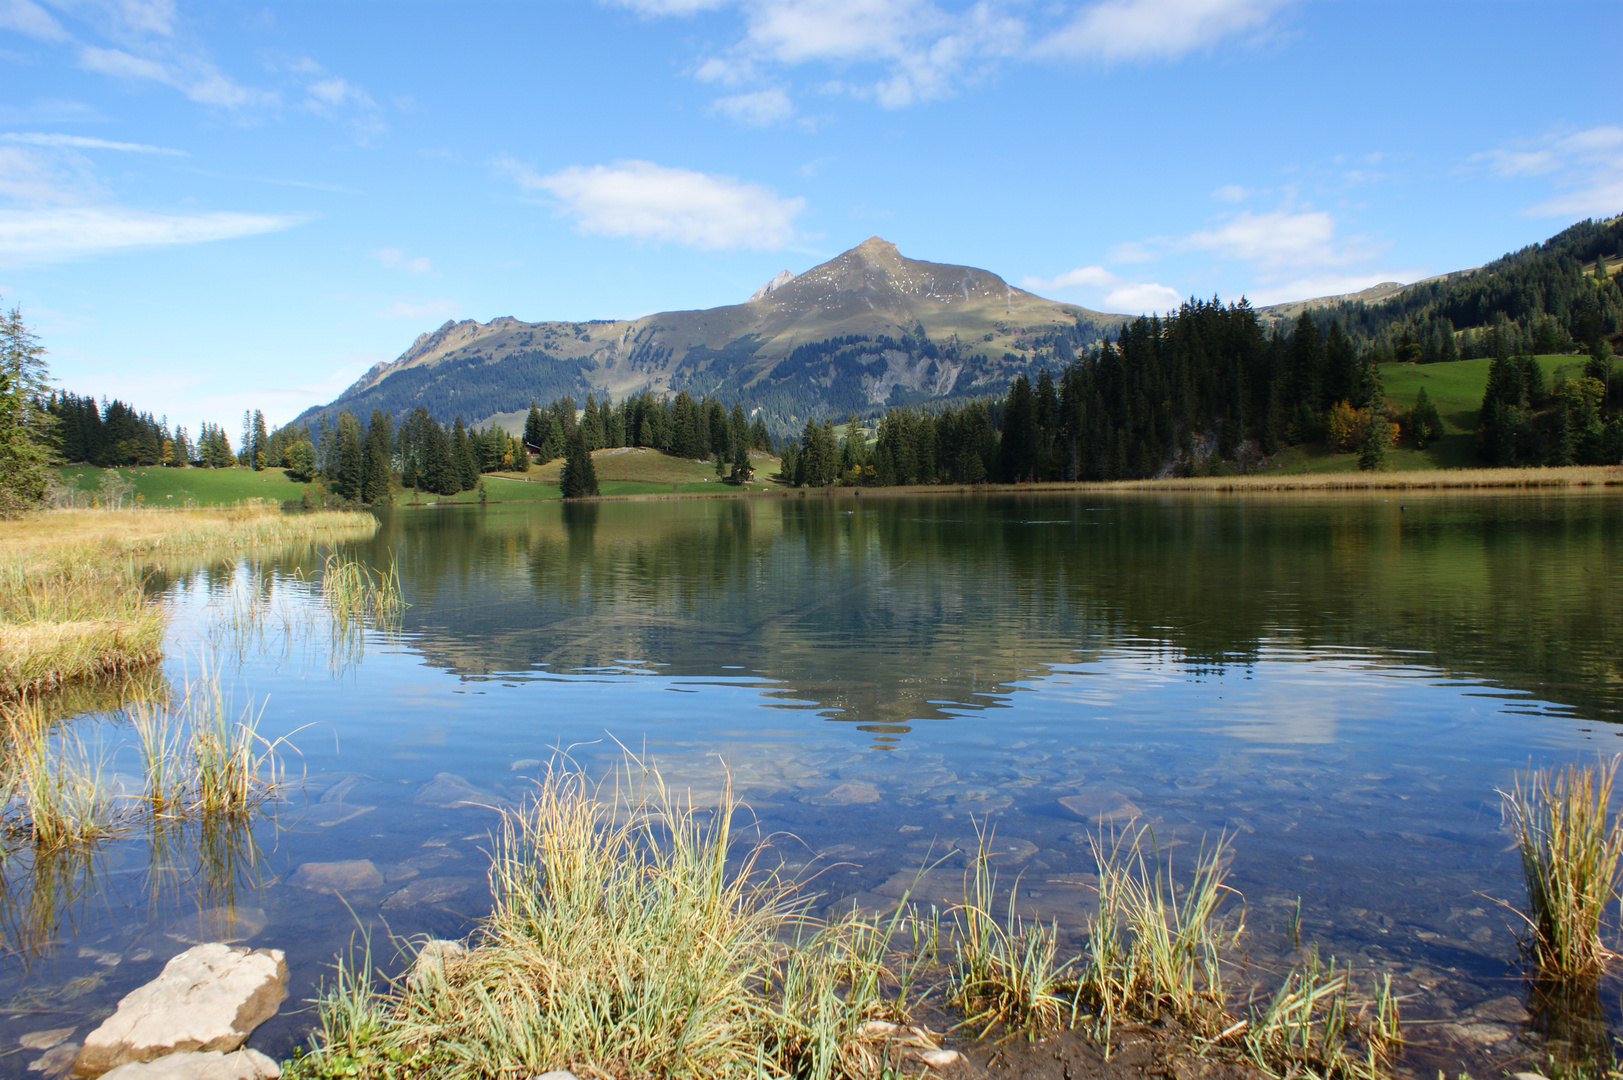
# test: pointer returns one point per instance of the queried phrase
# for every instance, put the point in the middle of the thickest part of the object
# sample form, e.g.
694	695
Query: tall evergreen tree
379	458
578	479
25	427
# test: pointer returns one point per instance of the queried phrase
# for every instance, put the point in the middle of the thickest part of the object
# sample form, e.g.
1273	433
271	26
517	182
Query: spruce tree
24	425
578	479
535	428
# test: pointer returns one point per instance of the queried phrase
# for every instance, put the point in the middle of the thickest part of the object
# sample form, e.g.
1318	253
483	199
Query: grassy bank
72	605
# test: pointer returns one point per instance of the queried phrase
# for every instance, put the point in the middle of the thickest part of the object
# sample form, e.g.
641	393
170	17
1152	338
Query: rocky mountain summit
869	328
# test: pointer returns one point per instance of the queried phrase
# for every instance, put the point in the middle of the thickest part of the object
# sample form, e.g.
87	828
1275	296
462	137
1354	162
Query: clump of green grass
1312	1026
1155	946
54	788
202	761
1008	969
356	594
631	937
1570	849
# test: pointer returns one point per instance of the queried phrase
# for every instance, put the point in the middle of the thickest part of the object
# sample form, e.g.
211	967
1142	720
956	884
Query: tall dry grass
72	602
1570	849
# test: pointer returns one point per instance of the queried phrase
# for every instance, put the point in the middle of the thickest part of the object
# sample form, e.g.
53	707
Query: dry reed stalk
1570	850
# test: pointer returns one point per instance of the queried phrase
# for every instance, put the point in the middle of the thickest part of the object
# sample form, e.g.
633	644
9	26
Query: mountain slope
866	329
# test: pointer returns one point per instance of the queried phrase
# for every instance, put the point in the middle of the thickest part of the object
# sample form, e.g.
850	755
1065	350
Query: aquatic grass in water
355	594
1149	950
1007	969
1570	849
56	793
201	761
1308	1027
631	937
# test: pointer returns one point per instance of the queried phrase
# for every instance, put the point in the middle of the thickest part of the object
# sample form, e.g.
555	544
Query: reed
1155	945
56	790
1570	850
355	594
631	937
1007	969
1312	1026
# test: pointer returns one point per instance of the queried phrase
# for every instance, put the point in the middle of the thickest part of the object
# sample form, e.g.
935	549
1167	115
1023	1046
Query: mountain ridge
863	330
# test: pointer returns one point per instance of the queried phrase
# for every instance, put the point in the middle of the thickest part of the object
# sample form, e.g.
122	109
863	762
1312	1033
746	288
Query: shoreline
1591	479
73	607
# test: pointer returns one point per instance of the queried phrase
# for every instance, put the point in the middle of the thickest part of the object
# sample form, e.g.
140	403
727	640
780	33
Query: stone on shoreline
210	997
205	1065
432	958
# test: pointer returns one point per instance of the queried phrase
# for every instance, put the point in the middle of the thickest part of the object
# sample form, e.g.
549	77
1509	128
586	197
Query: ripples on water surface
1339	684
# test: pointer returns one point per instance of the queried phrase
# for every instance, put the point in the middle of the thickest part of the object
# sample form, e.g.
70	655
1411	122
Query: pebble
519	766
555	1074
938	1059
1096	806
56	1062
852	793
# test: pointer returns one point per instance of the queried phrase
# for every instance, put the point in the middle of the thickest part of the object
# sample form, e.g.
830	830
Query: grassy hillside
1455	388
619	472
189	487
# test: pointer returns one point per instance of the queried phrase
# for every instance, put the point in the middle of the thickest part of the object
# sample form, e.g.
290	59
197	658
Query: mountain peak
783	278
877	243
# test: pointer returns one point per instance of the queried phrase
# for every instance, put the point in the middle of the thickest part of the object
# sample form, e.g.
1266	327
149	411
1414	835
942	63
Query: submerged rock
228	925
44	1040
55	1062
854	792
1096	806
207	1065
447	789
434	890
349	875
210	997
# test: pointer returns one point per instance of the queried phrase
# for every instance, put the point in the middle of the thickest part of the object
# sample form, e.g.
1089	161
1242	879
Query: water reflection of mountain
891	611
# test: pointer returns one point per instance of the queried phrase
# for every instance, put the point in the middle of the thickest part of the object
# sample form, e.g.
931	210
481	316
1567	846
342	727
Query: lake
1337	684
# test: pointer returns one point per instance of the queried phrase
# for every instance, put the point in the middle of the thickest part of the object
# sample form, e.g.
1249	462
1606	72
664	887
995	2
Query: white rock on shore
207	1065
210	997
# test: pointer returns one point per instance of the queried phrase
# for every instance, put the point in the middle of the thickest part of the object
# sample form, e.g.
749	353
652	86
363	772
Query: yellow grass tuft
1570	851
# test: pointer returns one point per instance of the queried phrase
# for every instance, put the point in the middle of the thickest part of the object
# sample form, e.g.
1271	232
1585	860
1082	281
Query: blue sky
212	207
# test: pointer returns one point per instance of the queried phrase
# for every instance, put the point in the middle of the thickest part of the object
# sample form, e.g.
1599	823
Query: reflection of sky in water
1351	773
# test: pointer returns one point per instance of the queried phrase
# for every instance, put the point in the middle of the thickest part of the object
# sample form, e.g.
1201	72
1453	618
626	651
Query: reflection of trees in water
888	611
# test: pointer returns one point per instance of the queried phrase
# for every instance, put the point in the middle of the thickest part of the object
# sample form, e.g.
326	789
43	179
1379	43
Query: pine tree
260	442
464	468
578	478
25	427
379	454
535	428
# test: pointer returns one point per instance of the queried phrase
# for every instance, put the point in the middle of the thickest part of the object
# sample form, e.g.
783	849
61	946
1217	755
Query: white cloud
27	17
63	233
1275	239
1231	193
395	259
427	309
1137	299
81	142
1115	30
761	108
1092	276
644	201
1588	164
196	78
